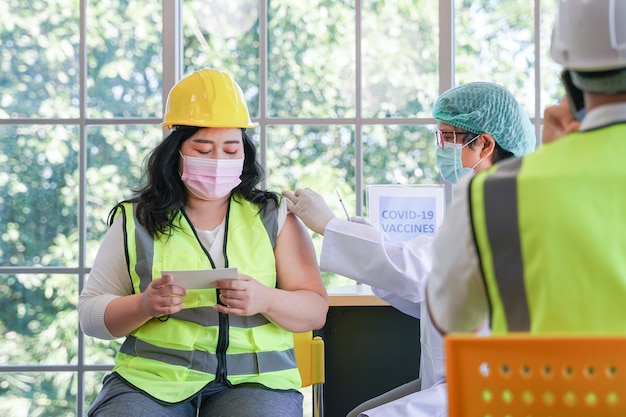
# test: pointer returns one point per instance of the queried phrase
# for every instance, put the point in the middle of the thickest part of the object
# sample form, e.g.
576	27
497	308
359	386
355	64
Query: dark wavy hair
163	193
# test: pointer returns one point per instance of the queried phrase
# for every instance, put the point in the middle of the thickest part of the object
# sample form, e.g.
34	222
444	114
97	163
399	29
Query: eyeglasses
450	136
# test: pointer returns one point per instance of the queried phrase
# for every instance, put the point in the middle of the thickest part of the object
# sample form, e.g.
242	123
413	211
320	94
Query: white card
201	279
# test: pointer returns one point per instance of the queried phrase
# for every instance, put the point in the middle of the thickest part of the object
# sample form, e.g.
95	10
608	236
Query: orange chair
310	360
536	376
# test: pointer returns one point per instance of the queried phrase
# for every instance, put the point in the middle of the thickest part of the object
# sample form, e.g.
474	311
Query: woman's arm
301	301
107	308
107	281
127	313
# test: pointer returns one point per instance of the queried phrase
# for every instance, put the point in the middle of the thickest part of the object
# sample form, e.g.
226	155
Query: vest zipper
222	346
221	373
224	334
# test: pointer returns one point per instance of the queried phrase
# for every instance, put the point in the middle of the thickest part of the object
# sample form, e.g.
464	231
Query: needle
342	205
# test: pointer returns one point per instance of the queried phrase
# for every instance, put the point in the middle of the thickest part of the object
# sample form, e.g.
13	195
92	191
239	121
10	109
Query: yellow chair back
310	360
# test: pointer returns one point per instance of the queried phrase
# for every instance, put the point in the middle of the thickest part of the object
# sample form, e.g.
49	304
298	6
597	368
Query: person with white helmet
479	124
225	348
537	244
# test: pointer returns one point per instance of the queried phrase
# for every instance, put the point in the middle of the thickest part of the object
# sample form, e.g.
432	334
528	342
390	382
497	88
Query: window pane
495	42
115	157
93	385
311	59
399	155
101	352
38	311
124	58
311	156
38	394
224	35
39	59
551	88
38	195
319	157
400	50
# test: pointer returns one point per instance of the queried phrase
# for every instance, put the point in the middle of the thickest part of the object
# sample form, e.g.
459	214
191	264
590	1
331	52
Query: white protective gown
397	274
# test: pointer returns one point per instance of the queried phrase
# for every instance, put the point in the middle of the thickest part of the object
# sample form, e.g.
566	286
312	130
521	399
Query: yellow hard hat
207	98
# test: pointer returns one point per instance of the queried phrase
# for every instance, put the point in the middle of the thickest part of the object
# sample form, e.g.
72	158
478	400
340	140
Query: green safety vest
172	359
550	230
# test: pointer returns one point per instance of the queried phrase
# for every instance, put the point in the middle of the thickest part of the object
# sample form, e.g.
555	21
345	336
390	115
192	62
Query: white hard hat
590	35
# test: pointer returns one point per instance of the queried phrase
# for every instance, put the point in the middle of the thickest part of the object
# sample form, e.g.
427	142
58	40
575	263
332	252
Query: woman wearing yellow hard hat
195	346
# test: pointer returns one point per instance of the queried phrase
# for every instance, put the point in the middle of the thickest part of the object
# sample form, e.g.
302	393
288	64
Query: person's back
550	249
556	252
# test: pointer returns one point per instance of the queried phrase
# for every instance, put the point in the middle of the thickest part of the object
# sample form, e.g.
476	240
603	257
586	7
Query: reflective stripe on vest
182	349
505	268
239	364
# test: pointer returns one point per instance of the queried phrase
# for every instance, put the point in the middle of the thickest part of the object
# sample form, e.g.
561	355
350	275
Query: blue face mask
449	161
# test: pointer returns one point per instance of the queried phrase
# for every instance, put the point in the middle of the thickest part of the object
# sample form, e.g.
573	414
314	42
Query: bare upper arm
296	261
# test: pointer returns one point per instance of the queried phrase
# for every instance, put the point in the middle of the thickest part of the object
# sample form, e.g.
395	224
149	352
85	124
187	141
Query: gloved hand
359	219
310	207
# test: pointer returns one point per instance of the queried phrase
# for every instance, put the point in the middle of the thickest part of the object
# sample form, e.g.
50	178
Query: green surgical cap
483	107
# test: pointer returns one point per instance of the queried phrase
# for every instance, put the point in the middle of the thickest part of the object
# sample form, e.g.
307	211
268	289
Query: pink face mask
211	179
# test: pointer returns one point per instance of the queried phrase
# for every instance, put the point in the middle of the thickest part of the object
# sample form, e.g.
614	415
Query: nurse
479	124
